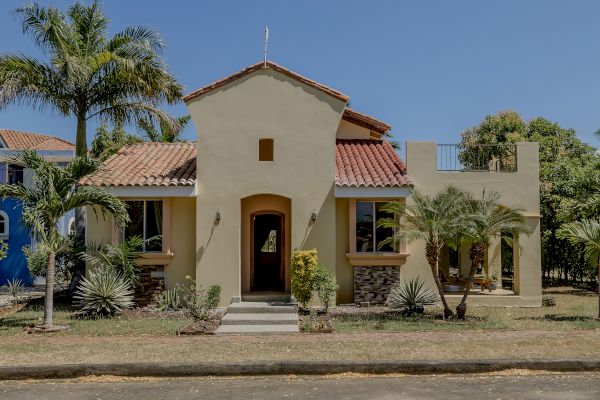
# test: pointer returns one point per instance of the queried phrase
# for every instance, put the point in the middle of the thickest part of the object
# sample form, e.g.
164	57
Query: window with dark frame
146	222
3	225
15	174
368	235
265	150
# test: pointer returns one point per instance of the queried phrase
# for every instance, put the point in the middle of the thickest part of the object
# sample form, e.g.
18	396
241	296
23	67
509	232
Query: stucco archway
264	205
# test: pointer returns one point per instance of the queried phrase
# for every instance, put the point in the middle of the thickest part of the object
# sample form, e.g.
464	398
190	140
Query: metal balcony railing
477	158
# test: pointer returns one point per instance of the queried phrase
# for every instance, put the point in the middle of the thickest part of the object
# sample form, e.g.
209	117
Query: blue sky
429	68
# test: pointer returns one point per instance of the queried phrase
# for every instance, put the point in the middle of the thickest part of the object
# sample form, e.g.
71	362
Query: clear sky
428	68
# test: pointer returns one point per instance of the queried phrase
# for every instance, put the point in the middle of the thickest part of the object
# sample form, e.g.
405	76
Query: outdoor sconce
218	216
313	216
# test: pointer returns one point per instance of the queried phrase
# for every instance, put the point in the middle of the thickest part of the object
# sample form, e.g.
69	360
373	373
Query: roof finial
266	42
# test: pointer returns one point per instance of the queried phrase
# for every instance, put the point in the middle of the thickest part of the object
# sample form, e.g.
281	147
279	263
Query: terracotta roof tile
258	66
366	121
148	164
33	141
369	163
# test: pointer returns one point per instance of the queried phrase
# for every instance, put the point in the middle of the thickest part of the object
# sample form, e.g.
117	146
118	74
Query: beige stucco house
281	163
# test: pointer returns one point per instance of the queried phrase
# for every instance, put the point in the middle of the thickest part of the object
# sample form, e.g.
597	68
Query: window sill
376	259
155	259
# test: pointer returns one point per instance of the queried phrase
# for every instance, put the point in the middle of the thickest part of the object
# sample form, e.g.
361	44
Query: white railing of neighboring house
9	154
477	158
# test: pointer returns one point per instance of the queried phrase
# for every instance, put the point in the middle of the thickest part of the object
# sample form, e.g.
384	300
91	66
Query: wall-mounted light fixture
218	216
313	216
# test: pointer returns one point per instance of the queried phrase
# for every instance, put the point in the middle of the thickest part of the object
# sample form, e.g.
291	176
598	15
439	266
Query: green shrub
37	260
325	286
303	270
104	292
3	249
199	302
411	297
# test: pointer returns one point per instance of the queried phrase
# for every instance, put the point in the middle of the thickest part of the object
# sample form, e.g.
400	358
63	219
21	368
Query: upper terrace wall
518	189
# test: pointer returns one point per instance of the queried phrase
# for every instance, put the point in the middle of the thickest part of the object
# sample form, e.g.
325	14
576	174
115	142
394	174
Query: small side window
265	150
4	225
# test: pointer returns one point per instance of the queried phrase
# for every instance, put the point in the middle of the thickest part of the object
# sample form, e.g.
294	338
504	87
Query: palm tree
486	219
434	219
54	192
586	232
165	132
88	75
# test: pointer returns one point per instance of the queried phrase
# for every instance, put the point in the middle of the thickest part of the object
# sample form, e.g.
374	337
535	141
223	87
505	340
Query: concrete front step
256	329
260	319
261	308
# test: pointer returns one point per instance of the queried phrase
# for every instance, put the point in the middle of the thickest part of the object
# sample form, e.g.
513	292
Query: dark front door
267	252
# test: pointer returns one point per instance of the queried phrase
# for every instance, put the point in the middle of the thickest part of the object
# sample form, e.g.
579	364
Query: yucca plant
15	288
411	297
104	293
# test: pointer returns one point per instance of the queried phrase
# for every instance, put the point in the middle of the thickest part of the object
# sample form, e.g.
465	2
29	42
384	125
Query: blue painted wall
15	264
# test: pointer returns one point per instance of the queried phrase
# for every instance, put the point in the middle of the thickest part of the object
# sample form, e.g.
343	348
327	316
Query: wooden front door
267	246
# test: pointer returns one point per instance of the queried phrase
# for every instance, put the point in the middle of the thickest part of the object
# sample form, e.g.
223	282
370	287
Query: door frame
281	249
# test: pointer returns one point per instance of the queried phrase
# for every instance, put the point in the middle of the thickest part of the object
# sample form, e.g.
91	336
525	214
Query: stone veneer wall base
373	283
150	284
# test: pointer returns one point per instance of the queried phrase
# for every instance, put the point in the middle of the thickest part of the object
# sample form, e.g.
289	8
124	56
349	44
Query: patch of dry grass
574	310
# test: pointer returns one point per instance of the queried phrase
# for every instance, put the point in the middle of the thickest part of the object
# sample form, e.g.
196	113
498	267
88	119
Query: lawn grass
574	310
129	323
568	330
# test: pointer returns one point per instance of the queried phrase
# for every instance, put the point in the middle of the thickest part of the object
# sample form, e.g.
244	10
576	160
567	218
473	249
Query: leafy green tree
568	172
485	219
437	220
165	132
502	128
586	232
54	192
107	142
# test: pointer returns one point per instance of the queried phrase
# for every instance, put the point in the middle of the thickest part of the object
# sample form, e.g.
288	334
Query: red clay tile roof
148	164
258	66
369	163
365	121
32	141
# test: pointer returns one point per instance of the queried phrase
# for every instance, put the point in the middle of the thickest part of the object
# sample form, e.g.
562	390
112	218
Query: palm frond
586	232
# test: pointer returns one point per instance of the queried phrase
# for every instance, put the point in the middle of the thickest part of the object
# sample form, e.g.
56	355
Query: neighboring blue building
12	230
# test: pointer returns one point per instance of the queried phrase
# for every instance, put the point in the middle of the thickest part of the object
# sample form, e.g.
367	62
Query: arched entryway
265	242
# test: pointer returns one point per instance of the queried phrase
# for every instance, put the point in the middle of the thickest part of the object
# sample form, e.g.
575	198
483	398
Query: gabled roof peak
264	65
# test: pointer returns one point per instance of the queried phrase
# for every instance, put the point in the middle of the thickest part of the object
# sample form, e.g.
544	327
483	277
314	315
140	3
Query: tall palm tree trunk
81	138
81	151
477	255
49	299
598	266
433	256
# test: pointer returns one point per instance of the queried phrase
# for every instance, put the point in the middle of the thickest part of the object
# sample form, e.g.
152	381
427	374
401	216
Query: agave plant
411	297
105	292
